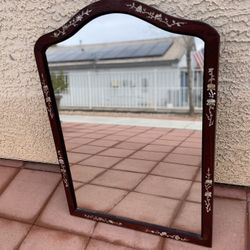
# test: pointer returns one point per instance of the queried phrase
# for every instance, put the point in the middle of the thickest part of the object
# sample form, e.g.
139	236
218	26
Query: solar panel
109	51
161	48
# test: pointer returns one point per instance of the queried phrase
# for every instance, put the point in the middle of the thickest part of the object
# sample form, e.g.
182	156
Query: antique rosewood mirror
131	97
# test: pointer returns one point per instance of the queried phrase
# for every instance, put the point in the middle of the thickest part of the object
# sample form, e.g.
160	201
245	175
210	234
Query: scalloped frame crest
211	55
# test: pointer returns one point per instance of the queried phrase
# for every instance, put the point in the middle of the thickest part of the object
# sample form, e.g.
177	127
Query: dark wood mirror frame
168	23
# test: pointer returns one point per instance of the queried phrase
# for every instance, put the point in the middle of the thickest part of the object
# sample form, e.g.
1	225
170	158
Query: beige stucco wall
24	128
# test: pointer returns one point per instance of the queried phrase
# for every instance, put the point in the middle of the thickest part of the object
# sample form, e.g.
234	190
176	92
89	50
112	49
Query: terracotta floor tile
56	215
84	173
6	174
27	193
139	128
135	165
41	239
103	142
104	132
116	137
80	140
147	208
77	184
187	151
164	186
191	144
94	135
127	133
153	135
183	159
165	142
194	139
158	148
71	145
198	177
98	198
76	157
119	179
102	245
88	149
175	170
12	233
140	139
173	138
181	132
229	192
189	218
148	155
197	134
126	237
195	192
69	124
85	131
101	161
130	145
11	163
228	215
117	152
73	134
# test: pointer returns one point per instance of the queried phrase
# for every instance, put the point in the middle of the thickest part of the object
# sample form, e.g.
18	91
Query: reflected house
143	75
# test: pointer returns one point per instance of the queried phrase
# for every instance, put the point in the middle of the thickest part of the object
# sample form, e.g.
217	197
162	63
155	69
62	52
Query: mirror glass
130	101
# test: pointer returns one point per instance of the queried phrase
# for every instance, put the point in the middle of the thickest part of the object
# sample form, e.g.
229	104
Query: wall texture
24	128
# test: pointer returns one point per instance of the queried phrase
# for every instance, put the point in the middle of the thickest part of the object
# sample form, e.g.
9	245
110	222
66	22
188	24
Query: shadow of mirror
130	99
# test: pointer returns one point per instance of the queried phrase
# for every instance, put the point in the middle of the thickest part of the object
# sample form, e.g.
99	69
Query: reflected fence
141	90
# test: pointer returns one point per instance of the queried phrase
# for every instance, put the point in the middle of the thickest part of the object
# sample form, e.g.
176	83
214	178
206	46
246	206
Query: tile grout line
157	162
111	167
94	139
120	161
40	212
133	172
91	155
162	240
184	197
138	192
10	180
114	133
44	226
181	201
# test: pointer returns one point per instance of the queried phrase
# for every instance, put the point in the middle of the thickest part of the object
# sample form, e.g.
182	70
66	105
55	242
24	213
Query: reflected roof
111	51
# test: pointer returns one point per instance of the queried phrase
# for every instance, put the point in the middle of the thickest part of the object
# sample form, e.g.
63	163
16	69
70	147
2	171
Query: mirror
133	146
134	115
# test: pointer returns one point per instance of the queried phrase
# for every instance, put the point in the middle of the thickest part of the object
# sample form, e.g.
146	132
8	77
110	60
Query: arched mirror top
149	14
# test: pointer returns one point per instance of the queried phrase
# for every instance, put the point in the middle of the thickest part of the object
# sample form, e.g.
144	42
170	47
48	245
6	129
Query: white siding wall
140	89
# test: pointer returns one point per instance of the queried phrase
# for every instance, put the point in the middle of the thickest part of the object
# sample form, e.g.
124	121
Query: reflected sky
118	27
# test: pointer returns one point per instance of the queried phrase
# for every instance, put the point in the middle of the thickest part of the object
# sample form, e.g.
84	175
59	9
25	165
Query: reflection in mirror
130	101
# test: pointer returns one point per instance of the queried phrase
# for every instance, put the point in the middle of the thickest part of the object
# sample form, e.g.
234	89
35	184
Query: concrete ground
134	121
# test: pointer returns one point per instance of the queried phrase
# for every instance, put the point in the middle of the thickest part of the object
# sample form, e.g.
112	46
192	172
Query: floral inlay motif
155	16
165	234
63	169
48	101
208	192
100	219
211	94
72	23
